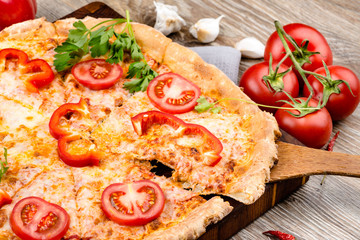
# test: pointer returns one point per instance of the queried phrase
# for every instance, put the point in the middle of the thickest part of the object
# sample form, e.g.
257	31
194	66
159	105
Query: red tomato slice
133	204
4	198
172	93
97	74
211	148
34	218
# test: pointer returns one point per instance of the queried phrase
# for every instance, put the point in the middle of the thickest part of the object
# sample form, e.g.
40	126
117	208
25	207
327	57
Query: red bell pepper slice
40	74
38	71
4	198
65	135
90	158
55	127
17	56
212	145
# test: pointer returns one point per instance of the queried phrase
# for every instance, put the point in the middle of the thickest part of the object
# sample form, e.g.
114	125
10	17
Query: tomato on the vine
343	102
254	86
300	32
14	11
313	130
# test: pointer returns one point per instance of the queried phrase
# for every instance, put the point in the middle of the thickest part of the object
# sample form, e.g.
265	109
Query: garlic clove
207	29
251	47
167	19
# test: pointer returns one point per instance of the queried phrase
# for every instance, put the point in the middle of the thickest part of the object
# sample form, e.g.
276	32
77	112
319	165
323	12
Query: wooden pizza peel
295	164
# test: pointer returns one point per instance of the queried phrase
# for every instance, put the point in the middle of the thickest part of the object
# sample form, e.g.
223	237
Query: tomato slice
212	146
133	204
38	72
97	74
34	218
4	198
172	93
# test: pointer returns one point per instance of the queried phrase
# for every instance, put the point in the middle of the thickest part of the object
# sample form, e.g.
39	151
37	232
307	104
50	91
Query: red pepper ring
213	147
12	54
90	158
38	71
54	125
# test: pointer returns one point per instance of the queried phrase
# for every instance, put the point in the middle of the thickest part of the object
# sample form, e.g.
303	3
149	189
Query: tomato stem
281	32
261	105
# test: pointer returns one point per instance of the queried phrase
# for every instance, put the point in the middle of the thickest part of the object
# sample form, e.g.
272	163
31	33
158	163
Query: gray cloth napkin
227	59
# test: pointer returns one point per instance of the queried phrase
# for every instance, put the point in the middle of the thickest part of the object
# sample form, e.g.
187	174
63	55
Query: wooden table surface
327	211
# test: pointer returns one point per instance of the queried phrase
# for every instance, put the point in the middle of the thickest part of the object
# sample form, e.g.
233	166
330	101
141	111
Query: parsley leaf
143	75
72	50
3	165
204	106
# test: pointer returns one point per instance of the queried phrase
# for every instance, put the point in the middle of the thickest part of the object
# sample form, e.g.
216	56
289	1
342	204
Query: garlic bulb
251	47
207	29
167	19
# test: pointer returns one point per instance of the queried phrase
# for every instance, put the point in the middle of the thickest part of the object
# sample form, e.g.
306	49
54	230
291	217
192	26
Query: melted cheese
14	115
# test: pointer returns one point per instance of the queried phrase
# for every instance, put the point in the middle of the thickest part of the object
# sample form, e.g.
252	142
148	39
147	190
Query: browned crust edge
33	29
194	225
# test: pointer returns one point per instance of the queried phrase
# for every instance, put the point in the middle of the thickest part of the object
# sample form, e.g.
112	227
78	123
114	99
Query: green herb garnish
4	165
204	106
82	40
143	73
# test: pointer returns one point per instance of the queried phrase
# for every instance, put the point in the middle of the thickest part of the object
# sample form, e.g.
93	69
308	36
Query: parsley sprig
4	164
82	40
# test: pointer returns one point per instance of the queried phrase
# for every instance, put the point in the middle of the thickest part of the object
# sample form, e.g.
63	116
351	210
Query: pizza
84	135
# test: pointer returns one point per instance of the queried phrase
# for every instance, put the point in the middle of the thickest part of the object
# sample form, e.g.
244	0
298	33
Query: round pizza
109	130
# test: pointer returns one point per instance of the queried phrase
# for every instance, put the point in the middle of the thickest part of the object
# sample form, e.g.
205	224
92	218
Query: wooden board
242	214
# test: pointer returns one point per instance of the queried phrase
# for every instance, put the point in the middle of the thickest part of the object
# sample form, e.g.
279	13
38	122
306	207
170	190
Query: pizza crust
195	224
29	30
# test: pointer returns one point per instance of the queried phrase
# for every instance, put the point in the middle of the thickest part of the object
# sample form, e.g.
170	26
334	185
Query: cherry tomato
97	74
340	105
172	93
313	130
300	32
254	86
34	218
133	204
14	11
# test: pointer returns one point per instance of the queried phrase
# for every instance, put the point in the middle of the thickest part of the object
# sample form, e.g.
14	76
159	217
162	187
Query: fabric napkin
227	59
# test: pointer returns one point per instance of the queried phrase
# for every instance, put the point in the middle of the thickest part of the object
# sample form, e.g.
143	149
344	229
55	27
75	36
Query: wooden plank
297	161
